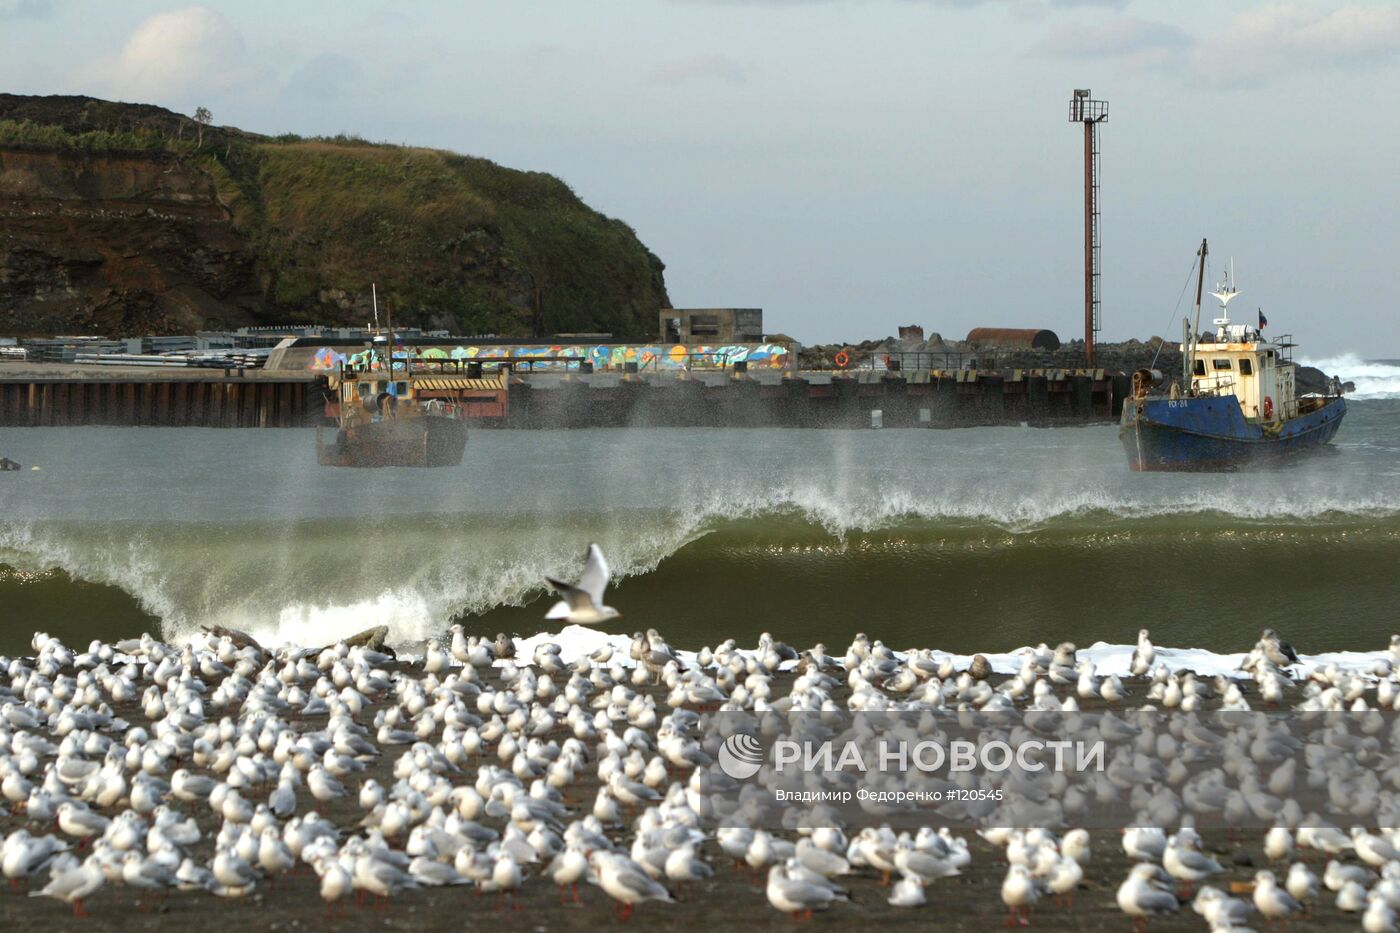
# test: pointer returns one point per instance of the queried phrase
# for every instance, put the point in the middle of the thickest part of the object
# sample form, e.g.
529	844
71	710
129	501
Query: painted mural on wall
605	357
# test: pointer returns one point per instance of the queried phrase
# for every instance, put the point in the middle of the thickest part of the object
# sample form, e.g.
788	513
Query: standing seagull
582	603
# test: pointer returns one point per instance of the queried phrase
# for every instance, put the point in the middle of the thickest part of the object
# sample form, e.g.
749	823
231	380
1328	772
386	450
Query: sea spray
1374	379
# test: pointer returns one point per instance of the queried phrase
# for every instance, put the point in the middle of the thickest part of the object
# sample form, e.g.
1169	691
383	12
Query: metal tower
1091	113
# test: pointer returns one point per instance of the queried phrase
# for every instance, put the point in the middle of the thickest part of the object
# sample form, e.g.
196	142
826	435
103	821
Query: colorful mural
604	357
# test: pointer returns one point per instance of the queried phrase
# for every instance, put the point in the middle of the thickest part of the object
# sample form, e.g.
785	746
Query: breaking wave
1374	379
726	570
932	537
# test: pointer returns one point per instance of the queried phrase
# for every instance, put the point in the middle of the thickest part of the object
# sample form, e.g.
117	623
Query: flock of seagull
219	765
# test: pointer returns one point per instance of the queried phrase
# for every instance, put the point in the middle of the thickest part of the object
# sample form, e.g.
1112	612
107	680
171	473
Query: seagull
1302	883
799	896
1278	842
907	892
1144	843
146	874
1373	850
24	855
80	822
1271	900
1220	910
567	869
684	865
1351	899
1143	894
72	883
582	603
1143	655
625	882
437	774
1187	863
323	786
1379	916
1064	879
1019	893
1277	650
335	881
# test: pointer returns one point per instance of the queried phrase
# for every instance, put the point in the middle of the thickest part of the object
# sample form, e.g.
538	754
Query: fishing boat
384	422
1235	404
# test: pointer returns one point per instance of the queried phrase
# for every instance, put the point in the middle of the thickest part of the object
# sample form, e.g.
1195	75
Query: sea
963	540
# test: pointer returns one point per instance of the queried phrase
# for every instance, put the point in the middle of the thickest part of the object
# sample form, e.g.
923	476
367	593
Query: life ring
1268	408
843	359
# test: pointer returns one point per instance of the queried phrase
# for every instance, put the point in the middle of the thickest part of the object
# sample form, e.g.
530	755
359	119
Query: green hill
128	218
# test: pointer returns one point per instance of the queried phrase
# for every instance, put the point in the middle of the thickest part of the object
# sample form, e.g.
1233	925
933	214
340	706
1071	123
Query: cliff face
129	219
118	244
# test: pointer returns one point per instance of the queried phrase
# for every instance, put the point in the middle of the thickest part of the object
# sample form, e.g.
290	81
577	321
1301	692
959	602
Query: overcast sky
848	165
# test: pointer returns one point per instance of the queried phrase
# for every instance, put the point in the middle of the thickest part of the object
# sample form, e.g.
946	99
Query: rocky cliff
129	219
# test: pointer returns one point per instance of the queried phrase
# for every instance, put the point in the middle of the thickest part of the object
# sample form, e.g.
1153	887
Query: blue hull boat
1212	433
1236	402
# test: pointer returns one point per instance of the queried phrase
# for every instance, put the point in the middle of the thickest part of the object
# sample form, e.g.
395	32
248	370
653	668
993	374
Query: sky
849	165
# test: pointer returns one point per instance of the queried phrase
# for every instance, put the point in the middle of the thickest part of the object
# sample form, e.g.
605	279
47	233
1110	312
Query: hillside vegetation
451	240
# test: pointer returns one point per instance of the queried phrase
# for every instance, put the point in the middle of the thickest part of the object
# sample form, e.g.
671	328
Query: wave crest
1374	379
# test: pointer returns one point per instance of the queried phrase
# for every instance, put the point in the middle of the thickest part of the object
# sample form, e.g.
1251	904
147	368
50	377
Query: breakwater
907	399
37	395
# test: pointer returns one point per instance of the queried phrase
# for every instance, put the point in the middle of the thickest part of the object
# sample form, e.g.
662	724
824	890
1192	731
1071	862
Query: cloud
959	4
1289	38
187	50
698	68
1112	4
326	76
1126	38
25	9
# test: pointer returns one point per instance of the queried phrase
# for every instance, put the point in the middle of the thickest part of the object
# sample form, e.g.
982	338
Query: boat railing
1215	385
1283	347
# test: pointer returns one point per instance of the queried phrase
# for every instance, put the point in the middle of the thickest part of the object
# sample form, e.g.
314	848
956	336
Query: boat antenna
1189	361
1225	294
374	299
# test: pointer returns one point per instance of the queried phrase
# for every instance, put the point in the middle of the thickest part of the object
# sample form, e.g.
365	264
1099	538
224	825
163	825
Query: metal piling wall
166	403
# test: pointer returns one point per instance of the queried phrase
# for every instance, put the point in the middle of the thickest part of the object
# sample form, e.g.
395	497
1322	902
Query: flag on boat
1263	321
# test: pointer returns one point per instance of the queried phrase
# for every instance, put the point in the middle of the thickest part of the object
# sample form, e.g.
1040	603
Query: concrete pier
54	395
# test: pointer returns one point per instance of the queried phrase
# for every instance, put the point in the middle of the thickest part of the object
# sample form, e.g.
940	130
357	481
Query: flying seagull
582	603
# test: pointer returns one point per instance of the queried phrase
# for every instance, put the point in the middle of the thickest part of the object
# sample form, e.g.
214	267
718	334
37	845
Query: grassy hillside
453	241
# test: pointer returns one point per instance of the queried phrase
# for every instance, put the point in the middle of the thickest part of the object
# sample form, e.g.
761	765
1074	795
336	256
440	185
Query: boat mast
1188	359
389	324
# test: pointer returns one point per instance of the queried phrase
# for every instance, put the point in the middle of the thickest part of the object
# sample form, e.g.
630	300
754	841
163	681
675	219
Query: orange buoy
843	359
1268	408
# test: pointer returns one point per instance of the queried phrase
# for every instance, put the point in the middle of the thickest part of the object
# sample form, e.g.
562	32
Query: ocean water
965	540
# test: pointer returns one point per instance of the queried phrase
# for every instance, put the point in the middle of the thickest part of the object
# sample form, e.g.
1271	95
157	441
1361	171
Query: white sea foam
1373	379
576	641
